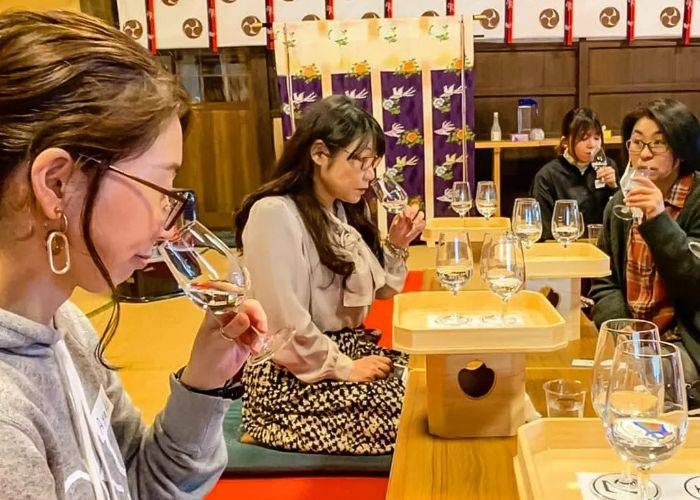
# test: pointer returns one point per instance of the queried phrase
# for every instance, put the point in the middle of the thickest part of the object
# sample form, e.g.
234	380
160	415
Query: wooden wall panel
220	160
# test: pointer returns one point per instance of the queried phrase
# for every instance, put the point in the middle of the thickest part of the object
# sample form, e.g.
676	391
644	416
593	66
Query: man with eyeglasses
654	274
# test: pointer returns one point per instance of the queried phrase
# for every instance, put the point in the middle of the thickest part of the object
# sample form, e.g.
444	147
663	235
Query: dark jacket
560	180
668	242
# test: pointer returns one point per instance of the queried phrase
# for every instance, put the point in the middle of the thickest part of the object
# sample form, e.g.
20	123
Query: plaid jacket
647	294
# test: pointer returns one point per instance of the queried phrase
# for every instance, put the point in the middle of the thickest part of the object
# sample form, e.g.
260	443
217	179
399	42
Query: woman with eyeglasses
90	141
654	274
317	263
575	174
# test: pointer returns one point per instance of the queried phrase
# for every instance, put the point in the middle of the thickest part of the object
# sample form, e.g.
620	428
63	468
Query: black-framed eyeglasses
656	147
366	162
173	202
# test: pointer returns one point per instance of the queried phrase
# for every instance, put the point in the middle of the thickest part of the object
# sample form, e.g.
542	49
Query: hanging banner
133	20
239	23
490	29
287	11
357	9
658	18
694	18
594	19
409	74
419	8
181	24
538	20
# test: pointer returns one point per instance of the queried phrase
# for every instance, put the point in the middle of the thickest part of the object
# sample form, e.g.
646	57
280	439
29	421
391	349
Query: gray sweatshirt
180	456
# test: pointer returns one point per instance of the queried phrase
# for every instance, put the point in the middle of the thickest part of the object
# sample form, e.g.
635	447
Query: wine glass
486	198
503	269
527	221
694	247
461	200
390	194
599	161
454	266
188	255
581	225
612	333
627	183
565	221
646	410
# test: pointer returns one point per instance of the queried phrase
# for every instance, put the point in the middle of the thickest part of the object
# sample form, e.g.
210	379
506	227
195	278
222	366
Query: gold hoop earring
57	241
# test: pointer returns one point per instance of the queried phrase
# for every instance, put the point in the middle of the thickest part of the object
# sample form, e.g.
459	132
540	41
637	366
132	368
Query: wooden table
498	146
427	467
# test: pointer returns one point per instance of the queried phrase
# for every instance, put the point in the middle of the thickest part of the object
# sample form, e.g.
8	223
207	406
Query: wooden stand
475	373
454	414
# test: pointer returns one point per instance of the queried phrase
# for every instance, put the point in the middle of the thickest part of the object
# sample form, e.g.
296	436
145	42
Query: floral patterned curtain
414	75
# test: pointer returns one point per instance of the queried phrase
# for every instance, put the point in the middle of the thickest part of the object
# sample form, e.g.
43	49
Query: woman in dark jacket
654	274
571	176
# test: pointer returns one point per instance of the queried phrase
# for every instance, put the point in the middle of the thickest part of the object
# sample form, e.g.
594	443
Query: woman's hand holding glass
214	359
406	226
194	255
645	196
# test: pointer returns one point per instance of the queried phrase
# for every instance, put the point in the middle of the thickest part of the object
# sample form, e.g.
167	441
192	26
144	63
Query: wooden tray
541	329
578	260
477	227
552	450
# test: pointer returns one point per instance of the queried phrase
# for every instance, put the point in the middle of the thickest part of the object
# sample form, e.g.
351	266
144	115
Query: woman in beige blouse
316	264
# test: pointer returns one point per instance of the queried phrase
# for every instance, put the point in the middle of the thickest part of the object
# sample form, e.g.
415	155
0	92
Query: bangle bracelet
395	250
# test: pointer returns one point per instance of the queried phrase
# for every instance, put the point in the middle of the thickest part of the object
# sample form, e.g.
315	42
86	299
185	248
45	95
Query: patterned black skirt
330	416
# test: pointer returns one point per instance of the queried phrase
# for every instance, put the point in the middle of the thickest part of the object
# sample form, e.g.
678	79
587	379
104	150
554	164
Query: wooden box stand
475	374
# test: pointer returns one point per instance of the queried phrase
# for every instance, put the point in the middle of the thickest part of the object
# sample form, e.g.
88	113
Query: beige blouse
297	291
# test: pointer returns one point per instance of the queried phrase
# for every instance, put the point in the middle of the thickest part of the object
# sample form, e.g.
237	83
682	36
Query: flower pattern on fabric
389	35
411	138
408	67
338	36
298	98
445	170
439	32
309	73
393	103
444	101
360	69
396	170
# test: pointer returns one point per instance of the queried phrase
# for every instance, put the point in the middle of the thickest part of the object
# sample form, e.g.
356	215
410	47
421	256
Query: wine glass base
497	319
270	344
618	487
453	320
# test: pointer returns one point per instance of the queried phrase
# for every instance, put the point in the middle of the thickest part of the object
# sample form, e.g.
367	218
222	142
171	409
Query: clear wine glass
694	247
454	266
599	161
612	333
527	221
461	201
503	269
390	194
646	406
565	221
627	183
581	225
486	198
190	255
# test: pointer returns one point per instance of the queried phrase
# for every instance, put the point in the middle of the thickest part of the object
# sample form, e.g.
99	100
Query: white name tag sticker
102	414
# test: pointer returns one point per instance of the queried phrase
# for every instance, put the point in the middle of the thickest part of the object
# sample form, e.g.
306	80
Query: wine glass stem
504	310
643	483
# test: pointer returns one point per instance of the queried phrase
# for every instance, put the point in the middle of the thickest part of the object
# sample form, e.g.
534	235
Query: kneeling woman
316	264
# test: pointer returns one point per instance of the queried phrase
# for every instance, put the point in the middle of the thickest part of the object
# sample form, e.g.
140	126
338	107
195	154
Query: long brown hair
69	81
337	121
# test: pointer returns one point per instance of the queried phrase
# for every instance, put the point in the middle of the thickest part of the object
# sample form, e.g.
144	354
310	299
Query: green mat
253	460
